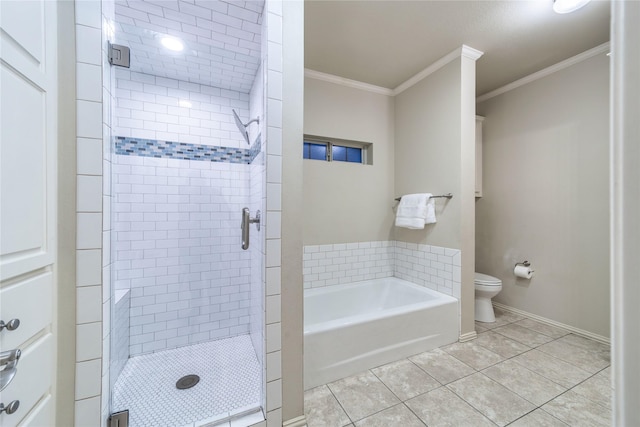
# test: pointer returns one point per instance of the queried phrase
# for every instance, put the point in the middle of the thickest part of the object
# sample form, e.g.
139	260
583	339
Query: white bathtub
353	327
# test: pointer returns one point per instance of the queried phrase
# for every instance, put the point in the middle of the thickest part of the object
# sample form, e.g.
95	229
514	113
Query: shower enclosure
187	313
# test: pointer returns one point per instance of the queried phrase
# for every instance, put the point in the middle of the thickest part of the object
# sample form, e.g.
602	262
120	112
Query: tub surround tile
398	415
322	409
590	360
500	344
523	335
538	418
473	355
551	331
577	410
405	379
362	395
597	389
482	393
442	366
527	384
443	407
556	370
334	264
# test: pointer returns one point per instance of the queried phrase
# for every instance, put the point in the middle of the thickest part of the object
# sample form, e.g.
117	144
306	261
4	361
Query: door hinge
119	55
119	419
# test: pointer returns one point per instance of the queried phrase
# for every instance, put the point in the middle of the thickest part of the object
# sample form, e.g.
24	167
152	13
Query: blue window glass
346	154
314	151
338	153
354	155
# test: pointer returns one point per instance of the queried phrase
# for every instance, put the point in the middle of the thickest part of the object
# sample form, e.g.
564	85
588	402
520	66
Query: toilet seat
486	280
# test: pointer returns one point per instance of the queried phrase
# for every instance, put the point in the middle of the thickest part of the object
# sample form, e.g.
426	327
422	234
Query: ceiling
221	39
384	43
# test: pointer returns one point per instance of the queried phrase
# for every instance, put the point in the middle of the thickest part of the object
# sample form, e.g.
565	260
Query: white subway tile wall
166	109
327	265
434	267
177	247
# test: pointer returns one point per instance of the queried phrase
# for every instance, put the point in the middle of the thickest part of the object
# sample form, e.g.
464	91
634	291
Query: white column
625	210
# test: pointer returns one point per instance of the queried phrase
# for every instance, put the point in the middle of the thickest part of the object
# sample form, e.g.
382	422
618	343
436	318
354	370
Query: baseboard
300	421
468	336
550	322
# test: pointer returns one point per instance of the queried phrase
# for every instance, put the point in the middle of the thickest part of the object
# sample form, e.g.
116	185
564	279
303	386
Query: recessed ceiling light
184	103
172	43
567	6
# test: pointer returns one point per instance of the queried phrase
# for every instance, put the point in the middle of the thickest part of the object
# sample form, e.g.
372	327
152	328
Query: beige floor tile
586	343
398	415
551	331
576	410
523	335
441	407
405	379
322	409
362	395
502	318
499	344
493	400
597	388
527	384
480	328
473	355
537	418
442	366
592	358
552	368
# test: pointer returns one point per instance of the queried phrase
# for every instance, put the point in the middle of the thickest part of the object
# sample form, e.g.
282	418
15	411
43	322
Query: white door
28	127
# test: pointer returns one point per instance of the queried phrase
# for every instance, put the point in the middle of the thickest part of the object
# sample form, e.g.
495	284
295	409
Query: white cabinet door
28	146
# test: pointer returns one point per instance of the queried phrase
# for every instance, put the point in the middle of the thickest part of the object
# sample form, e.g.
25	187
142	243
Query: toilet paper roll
523	271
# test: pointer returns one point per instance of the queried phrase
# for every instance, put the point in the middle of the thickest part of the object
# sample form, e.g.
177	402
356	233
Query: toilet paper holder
525	263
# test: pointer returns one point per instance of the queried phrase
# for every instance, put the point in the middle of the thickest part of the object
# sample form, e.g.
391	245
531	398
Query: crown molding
464	50
471	53
546	71
317	75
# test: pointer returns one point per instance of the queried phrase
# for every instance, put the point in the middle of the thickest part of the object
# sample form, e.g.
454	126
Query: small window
336	150
315	151
346	154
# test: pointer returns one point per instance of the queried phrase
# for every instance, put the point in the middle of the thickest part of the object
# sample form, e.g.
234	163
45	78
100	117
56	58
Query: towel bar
448	196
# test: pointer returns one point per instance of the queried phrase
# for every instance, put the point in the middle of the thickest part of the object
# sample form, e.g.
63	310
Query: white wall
346	202
545	195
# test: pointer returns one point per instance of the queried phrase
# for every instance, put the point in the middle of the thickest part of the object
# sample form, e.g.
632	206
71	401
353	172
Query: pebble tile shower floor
518	372
229	384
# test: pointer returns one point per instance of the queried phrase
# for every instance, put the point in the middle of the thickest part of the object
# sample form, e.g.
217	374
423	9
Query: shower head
242	127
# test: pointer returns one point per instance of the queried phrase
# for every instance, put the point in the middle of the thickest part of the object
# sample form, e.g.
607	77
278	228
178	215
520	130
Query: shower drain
187	381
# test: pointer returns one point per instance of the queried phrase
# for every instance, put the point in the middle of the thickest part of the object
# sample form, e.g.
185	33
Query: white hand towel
415	210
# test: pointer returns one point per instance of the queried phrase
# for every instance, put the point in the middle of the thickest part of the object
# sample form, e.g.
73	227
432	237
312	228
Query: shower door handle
246	222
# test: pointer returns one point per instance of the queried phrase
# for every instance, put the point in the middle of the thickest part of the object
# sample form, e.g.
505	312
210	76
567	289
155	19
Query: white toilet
487	287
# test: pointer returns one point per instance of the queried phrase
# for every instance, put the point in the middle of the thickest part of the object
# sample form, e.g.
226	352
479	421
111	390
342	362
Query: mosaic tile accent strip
127	146
230	384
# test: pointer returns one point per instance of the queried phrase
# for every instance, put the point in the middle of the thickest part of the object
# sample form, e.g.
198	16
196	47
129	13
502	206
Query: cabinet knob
10	408
11	325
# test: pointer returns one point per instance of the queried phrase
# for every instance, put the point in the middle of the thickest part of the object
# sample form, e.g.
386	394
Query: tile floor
229	387
518	372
